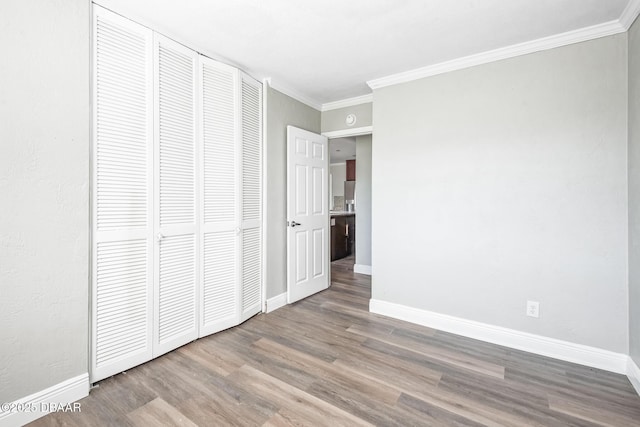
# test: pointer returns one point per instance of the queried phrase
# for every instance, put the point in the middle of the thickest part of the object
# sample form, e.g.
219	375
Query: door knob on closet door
160	237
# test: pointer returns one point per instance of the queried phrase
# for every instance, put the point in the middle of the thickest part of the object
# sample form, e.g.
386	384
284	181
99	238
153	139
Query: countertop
340	213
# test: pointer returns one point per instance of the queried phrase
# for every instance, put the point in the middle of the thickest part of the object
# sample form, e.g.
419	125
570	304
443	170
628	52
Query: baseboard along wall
537	344
59	397
276	302
633	373
362	269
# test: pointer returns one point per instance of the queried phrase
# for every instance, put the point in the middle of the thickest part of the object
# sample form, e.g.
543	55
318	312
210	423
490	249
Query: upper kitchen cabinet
351	170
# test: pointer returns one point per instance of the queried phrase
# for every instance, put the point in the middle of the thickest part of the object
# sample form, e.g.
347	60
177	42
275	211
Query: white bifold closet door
220	197
175	222
123	242
231	196
177	207
251	135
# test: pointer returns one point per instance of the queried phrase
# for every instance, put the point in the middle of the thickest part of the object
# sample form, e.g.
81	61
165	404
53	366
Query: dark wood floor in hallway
327	361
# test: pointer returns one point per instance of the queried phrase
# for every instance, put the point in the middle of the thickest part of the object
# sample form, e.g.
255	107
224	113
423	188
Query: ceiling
341	149
326	50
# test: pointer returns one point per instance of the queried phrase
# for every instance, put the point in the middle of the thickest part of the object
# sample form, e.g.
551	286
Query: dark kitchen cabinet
351	234
338	239
351	170
343	236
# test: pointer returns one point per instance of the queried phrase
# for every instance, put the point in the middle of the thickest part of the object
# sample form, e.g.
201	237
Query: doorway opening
350	204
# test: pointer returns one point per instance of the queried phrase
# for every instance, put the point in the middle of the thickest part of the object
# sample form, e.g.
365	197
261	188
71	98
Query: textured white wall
634	192
504	183
44	194
282	111
363	194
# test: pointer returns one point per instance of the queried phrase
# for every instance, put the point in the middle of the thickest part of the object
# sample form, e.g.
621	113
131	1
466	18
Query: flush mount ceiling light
350	120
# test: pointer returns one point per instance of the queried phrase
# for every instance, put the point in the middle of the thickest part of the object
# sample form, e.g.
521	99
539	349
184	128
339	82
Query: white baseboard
276	302
633	373
39	404
550	347
362	269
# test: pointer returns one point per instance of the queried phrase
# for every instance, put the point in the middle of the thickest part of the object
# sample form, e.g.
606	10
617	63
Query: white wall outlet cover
533	309
350	120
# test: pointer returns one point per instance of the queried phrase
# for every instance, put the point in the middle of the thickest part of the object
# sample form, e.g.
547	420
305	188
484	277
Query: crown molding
349	102
293	94
545	43
629	14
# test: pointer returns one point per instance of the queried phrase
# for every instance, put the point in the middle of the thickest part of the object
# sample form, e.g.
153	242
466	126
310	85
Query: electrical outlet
533	309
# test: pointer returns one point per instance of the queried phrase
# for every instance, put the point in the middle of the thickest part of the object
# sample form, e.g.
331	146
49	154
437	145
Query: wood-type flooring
326	361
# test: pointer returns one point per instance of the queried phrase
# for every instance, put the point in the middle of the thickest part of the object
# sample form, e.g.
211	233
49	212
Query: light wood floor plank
349	379
595	410
436	353
159	413
211	360
296	405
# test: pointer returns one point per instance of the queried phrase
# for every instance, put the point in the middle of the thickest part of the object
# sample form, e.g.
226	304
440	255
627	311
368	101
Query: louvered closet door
220	188
251	177
122	199
176	272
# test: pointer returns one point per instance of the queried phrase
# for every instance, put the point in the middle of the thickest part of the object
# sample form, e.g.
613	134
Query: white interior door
307	213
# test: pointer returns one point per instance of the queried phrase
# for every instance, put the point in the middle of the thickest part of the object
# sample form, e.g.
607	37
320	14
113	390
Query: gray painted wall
44	189
282	111
363	203
504	183
333	120
634	192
